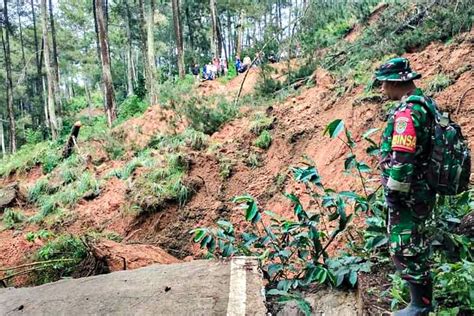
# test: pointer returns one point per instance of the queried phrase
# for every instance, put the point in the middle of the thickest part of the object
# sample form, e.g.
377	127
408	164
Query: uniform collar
417	92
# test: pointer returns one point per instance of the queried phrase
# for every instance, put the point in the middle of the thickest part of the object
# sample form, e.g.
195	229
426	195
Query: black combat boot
421	301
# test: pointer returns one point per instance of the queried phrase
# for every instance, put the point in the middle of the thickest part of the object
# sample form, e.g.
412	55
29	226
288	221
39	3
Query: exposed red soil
128	257
137	132
357	29
297	131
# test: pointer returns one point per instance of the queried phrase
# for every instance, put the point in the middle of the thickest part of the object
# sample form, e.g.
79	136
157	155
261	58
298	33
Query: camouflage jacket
404	151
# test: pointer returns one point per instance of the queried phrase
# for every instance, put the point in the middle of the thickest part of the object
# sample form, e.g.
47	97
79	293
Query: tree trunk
220	35
190	28
49	72
148	47
240	33
215	37
151	51
130	90
106	68
179	37
23	59
2	137
72	141
97	46
9	82
39	88
229	35
55	59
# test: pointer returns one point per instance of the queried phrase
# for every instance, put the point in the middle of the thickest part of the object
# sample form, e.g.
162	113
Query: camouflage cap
396	69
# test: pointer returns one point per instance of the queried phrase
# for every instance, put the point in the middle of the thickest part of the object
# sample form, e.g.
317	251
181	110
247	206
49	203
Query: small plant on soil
264	140
260	123
254	160
226	165
12	218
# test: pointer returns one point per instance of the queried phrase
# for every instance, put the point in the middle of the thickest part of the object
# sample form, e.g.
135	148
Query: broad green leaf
274	268
251	211
227	226
334	128
306	174
350	140
199	234
353	278
276	292
339	279
243	199
363	167
205	241
350	162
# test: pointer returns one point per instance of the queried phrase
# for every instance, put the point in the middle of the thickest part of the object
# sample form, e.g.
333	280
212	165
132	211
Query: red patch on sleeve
404	133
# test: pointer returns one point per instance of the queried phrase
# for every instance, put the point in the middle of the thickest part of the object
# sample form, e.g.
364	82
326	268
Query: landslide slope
230	165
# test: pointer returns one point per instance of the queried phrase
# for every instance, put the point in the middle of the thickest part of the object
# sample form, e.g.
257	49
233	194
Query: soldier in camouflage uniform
404	151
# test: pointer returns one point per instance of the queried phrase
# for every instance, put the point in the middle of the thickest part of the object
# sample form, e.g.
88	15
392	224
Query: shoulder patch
404	133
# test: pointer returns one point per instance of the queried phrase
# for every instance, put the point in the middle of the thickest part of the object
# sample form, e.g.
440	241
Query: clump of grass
254	160
41	187
11	218
144	159
65	197
264	140
152	190
195	139
226	166
28	156
260	122
438	84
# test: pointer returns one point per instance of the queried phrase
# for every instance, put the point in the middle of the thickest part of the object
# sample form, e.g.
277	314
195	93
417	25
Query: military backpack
449	159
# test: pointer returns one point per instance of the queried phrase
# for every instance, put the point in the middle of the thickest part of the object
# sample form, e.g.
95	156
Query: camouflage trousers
408	247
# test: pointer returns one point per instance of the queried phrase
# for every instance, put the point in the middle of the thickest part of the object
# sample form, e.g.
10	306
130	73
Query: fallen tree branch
47	262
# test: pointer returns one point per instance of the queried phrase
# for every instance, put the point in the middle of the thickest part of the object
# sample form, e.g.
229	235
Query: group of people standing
218	67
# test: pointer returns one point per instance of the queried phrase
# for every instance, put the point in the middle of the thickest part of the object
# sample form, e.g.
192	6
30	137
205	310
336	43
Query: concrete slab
193	288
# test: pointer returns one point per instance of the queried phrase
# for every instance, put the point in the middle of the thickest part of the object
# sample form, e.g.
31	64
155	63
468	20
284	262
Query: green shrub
143	160
67	251
33	137
264	140
130	107
195	139
268	86
453	285
208	119
11	218
76	104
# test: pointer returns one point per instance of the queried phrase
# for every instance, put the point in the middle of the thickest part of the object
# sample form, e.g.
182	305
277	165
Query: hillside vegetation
282	166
